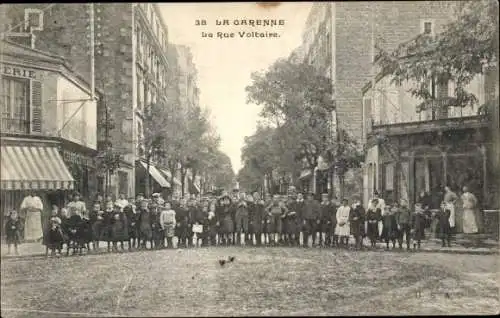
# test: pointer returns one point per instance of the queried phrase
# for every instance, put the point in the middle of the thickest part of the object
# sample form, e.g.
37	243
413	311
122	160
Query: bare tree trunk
147	181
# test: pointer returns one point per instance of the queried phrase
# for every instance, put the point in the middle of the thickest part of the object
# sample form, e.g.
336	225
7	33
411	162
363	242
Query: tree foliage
461	51
297	106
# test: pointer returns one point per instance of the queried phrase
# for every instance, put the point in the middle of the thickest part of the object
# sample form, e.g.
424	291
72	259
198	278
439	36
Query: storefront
48	127
157	181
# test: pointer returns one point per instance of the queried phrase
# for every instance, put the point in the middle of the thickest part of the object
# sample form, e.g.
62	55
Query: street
264	281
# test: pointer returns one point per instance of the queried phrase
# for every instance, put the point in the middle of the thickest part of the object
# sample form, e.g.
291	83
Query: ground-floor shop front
31	166
402	163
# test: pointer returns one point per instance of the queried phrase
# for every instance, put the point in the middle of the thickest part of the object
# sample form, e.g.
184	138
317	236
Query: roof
17	50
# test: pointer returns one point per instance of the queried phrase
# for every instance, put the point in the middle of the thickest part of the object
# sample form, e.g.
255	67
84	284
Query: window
15	105
427	27
33	20
139	93
123	182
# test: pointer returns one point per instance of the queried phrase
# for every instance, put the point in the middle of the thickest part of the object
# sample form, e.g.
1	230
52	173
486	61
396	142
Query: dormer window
33	20
427	27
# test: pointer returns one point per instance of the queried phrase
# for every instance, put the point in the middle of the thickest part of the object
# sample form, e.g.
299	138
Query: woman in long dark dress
373	215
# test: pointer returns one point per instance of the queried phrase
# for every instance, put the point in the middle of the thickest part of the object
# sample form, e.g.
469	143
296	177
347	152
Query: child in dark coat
419	220
390	227
357	221
54	235
132	226
145	225
119	227
13	228
444	228
97	221
403	220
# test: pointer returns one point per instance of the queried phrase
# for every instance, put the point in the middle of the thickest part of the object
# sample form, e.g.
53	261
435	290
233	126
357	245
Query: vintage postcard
249	158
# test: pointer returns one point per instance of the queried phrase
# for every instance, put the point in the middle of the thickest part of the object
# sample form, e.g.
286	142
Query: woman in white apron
32	207
469	218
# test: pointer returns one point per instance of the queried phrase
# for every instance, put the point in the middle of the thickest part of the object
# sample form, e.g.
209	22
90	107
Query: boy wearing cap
325	226
167	220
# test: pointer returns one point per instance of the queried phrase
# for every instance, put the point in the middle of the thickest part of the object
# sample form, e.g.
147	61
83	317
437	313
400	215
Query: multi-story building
410	152
48	130
188	95
130	66
340	38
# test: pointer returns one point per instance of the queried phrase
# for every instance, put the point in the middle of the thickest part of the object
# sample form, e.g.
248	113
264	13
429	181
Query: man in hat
310	217
155	210
326	227
298	207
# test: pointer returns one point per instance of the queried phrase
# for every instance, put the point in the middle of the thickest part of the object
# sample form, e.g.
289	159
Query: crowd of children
241	219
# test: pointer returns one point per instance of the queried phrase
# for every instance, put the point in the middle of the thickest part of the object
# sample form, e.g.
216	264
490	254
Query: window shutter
36	106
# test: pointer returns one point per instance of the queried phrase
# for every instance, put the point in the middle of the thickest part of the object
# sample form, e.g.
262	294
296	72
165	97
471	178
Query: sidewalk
432	245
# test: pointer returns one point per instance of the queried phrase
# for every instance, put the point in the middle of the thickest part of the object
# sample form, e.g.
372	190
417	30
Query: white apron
33	225
343	217
450	206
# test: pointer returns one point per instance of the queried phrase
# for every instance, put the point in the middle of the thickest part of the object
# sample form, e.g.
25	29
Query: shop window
15	105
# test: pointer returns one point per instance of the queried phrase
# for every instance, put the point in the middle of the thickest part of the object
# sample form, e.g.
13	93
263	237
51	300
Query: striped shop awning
33	168
153	172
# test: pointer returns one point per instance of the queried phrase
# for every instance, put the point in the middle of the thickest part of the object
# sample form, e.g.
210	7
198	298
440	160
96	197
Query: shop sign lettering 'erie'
17	71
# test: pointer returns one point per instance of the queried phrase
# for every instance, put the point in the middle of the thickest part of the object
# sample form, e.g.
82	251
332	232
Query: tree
107	159
462	50
156	120
297	102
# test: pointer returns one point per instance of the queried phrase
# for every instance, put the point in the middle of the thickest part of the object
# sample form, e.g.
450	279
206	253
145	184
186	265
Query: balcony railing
15	126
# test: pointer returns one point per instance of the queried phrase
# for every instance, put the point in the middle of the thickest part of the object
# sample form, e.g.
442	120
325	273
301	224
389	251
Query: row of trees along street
183	139
295	128
297	102
175	138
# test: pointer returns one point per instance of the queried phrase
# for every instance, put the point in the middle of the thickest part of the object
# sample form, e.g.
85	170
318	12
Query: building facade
129	62
339	40
48	128
410	152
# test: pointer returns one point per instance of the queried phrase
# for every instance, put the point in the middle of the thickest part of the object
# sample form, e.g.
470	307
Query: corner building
131	66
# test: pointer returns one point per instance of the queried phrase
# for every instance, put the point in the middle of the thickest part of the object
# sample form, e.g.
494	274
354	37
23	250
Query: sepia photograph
223	159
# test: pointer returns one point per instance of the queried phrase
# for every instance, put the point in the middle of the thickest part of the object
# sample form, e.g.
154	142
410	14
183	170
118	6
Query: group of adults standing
470	218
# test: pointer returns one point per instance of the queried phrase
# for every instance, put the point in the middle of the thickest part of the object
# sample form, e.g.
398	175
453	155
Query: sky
225	65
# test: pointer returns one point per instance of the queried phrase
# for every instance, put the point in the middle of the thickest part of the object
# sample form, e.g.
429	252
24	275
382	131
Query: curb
377	249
